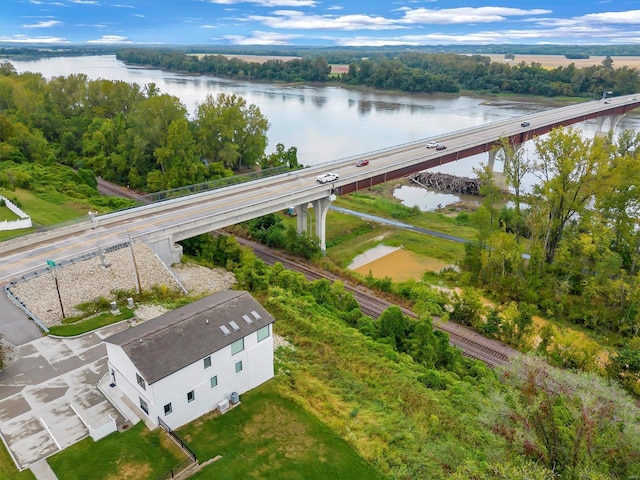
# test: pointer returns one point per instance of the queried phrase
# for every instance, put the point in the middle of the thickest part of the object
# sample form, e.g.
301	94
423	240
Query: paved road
15	326
395	223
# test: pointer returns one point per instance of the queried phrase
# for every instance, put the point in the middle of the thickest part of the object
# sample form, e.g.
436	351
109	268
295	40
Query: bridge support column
499	177
166	249
302	214
320	208
612	120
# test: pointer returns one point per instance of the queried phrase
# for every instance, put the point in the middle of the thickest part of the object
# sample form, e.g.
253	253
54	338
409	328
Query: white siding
125	377
257	363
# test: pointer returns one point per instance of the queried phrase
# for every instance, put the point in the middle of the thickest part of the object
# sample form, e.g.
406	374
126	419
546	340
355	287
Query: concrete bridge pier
611	120
302	214
499	177
166	249
320	208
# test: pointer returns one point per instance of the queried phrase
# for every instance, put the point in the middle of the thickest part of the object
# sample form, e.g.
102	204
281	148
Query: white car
327	177
432	144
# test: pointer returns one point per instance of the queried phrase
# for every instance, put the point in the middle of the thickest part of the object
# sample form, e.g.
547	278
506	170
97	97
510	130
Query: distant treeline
332	54
406	71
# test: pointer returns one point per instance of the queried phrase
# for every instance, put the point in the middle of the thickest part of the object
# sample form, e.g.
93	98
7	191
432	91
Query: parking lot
49	397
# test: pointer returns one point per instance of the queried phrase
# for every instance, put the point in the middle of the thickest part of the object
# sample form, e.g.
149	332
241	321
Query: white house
194	359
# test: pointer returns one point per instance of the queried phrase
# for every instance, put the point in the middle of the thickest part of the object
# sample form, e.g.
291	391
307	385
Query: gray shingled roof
170	342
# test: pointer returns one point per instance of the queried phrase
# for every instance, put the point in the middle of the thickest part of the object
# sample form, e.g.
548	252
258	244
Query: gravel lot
88	280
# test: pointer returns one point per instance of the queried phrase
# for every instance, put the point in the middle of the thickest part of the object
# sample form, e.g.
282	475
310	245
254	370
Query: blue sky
318	22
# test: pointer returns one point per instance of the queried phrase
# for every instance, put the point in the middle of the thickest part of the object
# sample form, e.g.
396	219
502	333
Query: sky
321	23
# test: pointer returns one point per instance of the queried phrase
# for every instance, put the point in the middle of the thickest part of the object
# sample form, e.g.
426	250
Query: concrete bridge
165	223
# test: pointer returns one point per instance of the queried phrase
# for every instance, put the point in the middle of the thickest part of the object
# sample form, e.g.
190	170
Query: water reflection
427	200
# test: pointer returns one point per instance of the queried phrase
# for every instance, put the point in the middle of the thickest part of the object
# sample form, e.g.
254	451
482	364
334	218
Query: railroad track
473	345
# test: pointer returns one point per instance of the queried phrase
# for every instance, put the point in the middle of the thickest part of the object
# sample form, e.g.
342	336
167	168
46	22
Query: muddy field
549	61
553	61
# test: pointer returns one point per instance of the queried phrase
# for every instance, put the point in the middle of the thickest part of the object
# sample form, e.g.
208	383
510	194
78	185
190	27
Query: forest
407	72
126	133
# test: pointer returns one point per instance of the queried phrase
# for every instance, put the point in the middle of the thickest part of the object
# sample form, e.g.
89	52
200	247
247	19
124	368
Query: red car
441	147
362	163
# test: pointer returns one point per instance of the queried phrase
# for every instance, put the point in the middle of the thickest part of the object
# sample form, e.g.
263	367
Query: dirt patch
554	61
131	471
401	265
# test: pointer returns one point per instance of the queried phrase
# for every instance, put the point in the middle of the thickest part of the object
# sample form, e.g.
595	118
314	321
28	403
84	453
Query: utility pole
94	220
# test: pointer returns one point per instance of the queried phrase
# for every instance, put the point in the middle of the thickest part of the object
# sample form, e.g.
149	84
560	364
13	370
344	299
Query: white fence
24	222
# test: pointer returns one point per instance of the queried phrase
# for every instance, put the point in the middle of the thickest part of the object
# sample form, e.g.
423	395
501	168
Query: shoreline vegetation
404	71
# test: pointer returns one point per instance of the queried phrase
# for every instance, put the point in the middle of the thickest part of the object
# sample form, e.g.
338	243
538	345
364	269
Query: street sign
51	263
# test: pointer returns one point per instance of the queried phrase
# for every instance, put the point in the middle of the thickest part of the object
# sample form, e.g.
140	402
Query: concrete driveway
49	396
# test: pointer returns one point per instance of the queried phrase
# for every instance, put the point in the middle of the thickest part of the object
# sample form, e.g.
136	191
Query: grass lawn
71	329
136	454
269	437
43	212
6	214
8	469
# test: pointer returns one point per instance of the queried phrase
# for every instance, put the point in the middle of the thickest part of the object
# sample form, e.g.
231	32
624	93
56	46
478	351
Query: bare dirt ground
554	61
549	61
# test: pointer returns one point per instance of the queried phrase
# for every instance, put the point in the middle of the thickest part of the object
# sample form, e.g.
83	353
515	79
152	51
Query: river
327	123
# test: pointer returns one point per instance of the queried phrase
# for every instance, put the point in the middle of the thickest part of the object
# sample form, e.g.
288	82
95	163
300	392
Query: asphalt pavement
15	326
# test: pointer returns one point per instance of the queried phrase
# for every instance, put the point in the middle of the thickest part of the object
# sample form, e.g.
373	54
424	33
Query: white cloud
446	16
25	39
631	17
47	24
294	20
270	3
109	39
261	38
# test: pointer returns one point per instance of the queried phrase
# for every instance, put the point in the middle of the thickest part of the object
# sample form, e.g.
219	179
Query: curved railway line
473	345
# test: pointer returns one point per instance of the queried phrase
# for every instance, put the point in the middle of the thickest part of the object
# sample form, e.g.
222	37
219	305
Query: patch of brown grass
131	471
554	61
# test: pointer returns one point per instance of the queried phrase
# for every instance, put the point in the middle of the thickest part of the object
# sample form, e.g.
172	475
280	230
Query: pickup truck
327	177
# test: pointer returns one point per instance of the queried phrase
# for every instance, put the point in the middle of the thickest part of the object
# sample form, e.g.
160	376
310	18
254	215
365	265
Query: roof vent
225	330
247	319
234	325
255	314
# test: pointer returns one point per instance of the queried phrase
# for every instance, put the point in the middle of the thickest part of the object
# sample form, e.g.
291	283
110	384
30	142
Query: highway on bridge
198	213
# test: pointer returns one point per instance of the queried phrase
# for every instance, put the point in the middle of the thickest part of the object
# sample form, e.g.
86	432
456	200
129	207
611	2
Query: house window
207	361
239	366
144	406
191	396
167	409
263	333
237	346
141	382
214	381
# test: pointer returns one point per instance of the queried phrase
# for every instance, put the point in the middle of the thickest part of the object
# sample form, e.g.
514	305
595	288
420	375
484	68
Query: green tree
568	168
148	129
231	132
516	166
394	326
619	200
